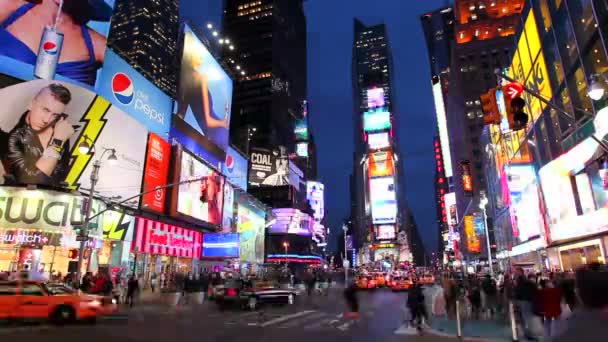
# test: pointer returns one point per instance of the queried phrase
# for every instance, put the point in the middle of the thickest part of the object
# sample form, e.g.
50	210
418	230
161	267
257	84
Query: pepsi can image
48	53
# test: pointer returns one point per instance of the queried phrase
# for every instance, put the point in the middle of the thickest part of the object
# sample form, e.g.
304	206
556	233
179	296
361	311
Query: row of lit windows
253	10
261	15
257	76
249	4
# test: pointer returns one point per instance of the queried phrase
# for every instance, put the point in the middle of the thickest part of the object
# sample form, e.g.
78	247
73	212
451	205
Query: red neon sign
514	89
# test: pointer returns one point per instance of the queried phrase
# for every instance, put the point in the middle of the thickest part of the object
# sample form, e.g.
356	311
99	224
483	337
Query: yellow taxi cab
401	283
34	300
366	282
380	279
426	279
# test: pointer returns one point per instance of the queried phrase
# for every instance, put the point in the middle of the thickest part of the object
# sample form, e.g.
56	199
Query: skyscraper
269	37
483	42
376	186
144	33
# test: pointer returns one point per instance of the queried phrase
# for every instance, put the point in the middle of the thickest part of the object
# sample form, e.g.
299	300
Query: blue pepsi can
48	53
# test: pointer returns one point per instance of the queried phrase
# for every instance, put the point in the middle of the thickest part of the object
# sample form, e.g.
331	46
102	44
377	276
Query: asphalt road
316	319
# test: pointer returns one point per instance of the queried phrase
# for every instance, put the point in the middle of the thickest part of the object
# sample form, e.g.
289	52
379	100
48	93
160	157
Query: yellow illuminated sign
473	243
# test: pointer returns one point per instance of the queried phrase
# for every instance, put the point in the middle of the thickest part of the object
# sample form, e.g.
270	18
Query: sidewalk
486	329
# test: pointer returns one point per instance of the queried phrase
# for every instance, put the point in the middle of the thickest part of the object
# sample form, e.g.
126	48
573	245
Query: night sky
330	38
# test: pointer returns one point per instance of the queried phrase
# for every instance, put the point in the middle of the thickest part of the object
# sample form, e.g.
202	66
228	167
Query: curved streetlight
596	89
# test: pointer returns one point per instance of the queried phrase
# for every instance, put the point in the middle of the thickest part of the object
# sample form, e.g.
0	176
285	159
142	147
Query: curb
440	333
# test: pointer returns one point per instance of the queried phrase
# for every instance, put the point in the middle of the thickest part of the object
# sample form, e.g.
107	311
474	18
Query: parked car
251	294
34	300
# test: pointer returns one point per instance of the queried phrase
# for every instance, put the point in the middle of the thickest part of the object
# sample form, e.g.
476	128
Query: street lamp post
345	262
483	201
285	246
85	148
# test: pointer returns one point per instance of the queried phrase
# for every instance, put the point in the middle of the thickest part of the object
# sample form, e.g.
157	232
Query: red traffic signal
518	119
491	115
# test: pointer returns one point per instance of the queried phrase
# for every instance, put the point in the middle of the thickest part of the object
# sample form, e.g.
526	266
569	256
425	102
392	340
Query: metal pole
513	322
85	227
485	222
458	325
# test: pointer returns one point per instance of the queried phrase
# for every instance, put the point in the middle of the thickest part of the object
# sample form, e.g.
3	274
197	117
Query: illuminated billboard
375	98
381	164
203	199
467	178
291	221
302	149
473	244
378	141
526	219
204	98
220	245
385	232
42	125
442	125
228	212
383	200
156	173
376	121
450	205
315	194
73	49
301	130
250	226
235	168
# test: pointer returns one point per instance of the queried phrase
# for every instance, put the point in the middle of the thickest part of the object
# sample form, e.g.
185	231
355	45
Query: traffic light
73	253
518	119
491	115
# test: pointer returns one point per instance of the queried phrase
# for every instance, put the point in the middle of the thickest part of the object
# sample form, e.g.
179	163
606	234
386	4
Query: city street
319	319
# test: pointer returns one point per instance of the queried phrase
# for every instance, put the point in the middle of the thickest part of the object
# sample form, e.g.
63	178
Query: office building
145	33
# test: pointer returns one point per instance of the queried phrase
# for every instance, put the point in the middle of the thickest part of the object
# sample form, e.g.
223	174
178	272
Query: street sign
82	238
513	89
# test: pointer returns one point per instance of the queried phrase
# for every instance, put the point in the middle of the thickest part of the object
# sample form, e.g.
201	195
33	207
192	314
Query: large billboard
442	126
375	98
43	124
473	243
315	194
383	200
381	164
42	38
291	221
203	199
251	223
385	232
269	168
221	245
156	173
376	121
526	217
155	237
235	168
228	212
130	91
378	141
450	205
204	91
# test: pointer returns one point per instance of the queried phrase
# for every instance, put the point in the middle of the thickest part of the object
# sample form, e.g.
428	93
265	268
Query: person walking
550	298
525	294
490	292
153	282
415	303
132	290
350	296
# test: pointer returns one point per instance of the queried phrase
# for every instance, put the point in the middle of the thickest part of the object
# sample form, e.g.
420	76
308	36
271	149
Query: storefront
575	188
164	249
37	230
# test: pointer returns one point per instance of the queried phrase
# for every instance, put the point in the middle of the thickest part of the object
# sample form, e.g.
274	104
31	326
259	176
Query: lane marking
317	317
346	325
285	318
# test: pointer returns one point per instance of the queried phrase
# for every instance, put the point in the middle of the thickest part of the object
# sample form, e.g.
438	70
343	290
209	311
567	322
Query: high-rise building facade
376	185
438	29
145	33
269	37
483	43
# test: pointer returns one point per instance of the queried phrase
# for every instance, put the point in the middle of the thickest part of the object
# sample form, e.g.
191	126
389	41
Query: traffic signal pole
562	111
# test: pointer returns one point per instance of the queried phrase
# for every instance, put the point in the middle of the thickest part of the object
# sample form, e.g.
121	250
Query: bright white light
215	33
242	73
238	67
231	47
221	41
442	124
227	41
209	26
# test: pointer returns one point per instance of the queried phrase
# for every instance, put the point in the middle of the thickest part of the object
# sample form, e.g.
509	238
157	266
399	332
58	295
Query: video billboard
375	98
156	173
42	124
268	167
221	245
315	194
251	223
381	164
376	121
204	92
526	218
383	200
228	212
378	141
34	34
291	221
130	91
155	237
450	205
385	232
301	130
473	244
202	200
302	149
235	168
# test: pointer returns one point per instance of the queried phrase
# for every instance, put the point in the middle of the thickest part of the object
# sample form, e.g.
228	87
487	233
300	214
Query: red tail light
231	293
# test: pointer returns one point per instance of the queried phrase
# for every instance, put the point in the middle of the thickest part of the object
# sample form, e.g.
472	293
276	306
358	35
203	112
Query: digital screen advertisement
250	225
376	121
302	149
221	245
526	218
228	213
378	141
204	92
235	168
155	237
473	244
130	91
381	164
73	47
375	98
291	221
301	130
450	204
383	200
202	200
385	232
156	173
76	115
270	168
315	195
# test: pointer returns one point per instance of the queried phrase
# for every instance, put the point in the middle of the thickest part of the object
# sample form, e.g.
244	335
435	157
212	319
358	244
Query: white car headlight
113	300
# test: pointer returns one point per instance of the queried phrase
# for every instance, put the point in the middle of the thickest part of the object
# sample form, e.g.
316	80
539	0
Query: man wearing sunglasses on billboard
36	151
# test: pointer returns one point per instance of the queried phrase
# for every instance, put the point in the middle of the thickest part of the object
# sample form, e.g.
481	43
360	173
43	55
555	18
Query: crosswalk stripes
313	317
309	320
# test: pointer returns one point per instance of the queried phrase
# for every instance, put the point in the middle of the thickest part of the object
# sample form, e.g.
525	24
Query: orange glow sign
467	179
473	244
381	164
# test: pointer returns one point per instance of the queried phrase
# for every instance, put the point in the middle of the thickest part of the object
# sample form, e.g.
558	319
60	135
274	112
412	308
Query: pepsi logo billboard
135	95
50	47
235	168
